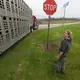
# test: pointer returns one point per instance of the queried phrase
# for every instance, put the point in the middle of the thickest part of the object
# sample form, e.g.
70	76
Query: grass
26	60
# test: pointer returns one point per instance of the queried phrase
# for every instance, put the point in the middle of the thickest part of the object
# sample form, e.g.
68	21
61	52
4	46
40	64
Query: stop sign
49	7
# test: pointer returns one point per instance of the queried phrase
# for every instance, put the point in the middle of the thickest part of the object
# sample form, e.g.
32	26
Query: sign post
65	5
49	7
48	31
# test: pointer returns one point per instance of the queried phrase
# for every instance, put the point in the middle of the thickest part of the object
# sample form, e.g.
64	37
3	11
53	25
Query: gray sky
73	10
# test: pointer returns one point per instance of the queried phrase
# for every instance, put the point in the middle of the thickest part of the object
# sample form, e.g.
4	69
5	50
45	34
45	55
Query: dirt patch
19	68
18	72
51	47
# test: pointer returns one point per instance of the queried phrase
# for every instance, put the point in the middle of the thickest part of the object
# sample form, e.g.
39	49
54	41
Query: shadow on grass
8	51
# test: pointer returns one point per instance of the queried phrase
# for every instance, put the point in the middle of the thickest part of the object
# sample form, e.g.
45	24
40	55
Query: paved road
55	25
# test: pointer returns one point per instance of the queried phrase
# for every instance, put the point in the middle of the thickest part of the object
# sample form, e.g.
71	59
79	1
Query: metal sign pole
48	32
63	19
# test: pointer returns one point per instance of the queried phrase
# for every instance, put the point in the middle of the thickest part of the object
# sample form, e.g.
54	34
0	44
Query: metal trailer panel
15	22
2	42
2	8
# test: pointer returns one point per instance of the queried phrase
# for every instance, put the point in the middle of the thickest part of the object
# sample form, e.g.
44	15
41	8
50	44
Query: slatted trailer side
15	22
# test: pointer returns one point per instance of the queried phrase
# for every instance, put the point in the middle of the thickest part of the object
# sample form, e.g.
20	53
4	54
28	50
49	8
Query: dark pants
61	64
34	26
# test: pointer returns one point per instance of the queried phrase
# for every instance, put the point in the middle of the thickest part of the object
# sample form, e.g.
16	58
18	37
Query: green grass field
27	61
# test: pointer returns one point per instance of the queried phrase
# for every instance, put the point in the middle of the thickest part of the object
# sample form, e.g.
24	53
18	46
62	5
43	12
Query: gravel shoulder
43	26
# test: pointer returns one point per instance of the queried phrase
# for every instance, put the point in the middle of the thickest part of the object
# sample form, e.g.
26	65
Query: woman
63	51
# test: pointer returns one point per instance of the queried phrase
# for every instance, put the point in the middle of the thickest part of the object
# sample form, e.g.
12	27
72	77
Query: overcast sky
73	10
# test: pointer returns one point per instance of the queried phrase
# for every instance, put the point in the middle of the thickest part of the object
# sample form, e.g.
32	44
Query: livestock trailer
15	22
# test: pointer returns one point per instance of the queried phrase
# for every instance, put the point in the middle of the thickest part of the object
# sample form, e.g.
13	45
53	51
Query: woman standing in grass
63	51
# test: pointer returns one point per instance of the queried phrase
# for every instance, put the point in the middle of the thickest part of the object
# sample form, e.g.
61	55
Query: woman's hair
69	33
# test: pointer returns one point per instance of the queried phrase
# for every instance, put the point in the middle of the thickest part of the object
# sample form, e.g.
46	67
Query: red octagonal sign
49	7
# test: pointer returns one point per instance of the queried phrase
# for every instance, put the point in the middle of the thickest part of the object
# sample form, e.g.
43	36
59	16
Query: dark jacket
65	46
